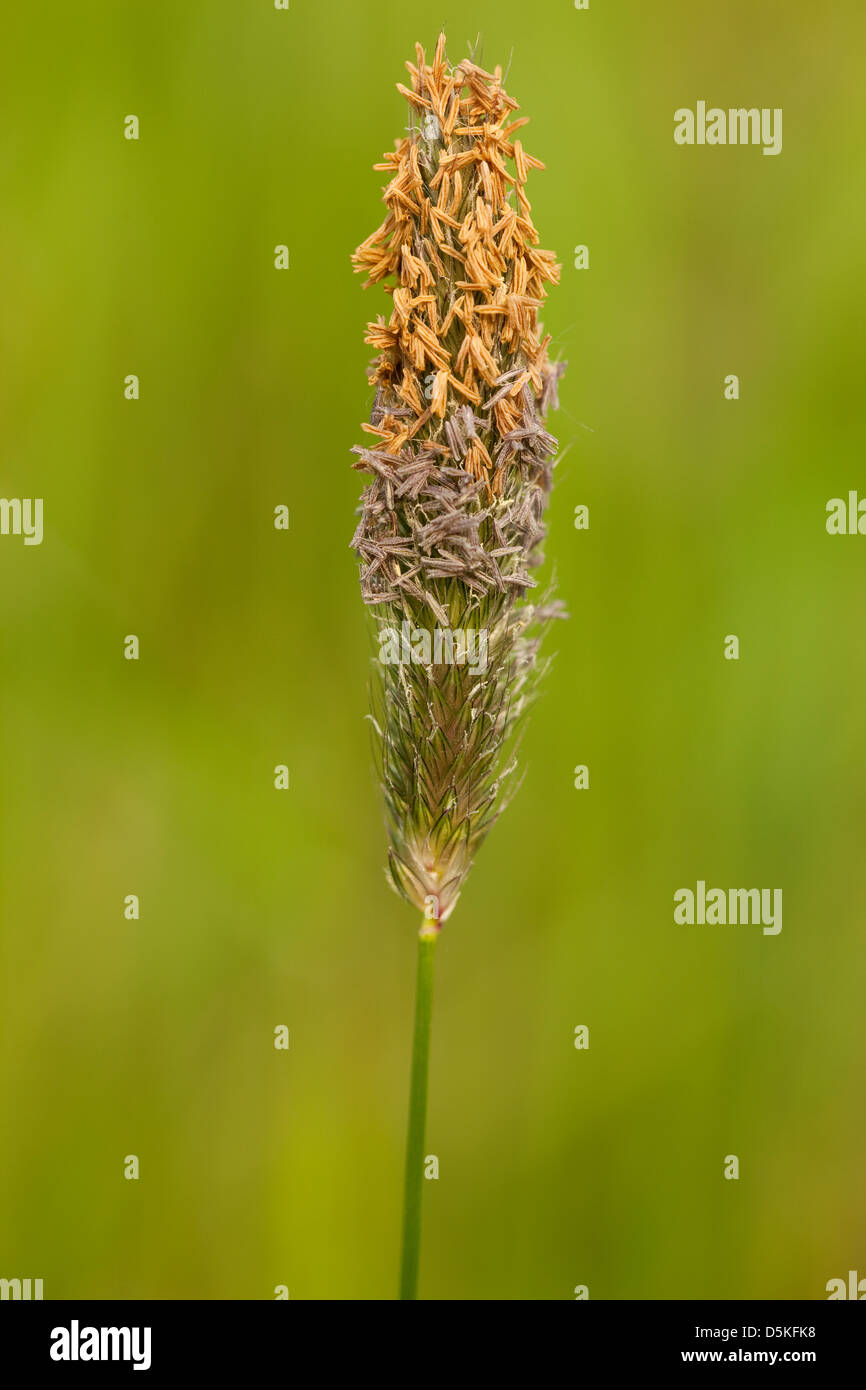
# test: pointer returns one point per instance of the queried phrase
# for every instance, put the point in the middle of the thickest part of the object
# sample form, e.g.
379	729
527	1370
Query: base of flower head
430	885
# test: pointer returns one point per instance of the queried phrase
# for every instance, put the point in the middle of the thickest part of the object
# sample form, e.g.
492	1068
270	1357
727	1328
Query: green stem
417	1112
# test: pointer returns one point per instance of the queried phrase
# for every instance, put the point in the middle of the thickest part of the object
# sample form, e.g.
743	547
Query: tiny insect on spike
452	519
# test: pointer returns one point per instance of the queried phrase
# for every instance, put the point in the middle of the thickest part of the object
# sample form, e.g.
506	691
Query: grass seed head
452	521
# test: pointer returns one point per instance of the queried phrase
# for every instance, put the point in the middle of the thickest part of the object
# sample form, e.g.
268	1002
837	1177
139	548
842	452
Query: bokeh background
260	907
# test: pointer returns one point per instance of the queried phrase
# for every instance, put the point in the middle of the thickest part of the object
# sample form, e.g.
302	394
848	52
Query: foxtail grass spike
452	520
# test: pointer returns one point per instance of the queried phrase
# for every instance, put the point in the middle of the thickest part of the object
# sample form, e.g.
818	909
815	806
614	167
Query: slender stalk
418	1111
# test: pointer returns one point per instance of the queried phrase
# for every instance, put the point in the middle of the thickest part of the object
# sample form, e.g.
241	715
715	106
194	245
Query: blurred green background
259	907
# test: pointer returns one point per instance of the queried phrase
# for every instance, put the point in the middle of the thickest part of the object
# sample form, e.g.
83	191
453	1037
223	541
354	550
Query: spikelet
451	523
